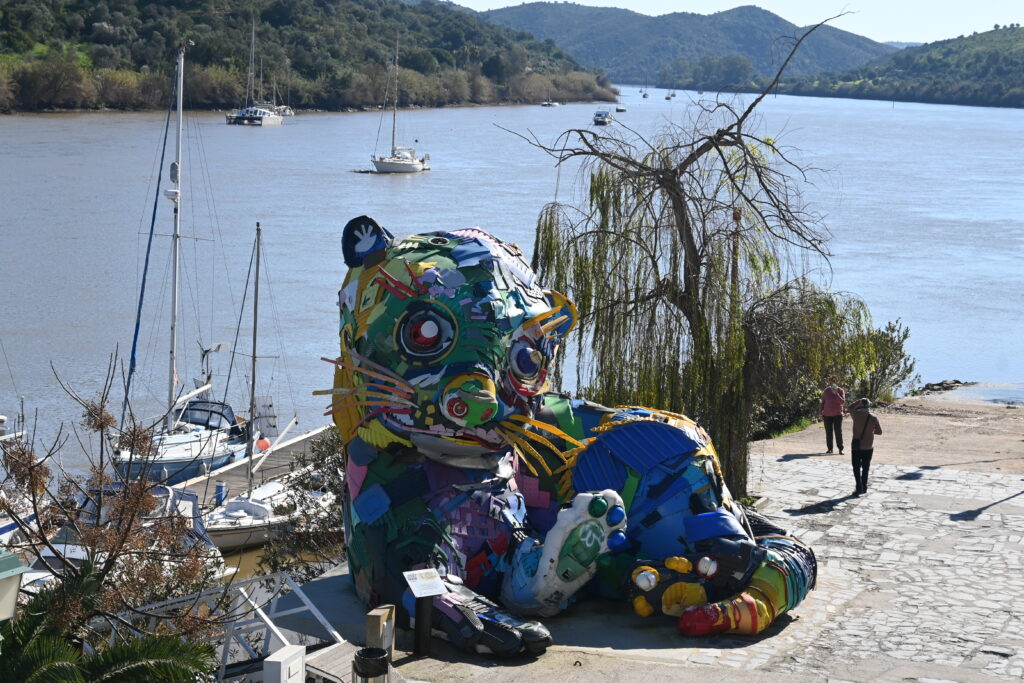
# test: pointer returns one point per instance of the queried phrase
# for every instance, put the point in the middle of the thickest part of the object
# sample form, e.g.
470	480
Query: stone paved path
920	578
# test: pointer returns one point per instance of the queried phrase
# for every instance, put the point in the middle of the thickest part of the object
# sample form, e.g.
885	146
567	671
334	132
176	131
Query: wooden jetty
278	462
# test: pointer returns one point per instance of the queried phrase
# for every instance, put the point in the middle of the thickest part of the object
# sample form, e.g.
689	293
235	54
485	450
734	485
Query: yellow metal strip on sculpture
536	437
551	429
531	450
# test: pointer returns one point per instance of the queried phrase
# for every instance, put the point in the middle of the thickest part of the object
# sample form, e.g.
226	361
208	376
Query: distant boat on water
403	158
256	112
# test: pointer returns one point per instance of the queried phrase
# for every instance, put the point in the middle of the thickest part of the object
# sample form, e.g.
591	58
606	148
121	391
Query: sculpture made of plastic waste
459	458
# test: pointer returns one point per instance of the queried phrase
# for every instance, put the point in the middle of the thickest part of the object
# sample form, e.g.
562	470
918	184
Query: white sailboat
199	434
170	503
403	158
252	518
256	112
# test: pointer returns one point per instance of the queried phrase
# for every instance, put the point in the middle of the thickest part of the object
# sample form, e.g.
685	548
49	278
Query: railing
248	620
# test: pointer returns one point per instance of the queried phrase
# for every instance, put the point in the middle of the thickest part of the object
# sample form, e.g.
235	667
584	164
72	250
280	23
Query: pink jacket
833	401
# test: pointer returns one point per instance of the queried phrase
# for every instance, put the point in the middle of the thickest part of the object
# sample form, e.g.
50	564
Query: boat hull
387	165
174	471
231	538
254	120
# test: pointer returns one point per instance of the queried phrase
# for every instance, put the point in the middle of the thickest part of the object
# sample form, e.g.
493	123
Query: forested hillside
983	69
328	54
667	51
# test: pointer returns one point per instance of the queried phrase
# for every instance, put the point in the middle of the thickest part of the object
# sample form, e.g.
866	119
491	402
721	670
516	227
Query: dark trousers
834	425
861	463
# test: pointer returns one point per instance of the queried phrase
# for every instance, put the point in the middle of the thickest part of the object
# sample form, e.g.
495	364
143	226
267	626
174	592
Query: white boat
549	103
619	108
256	112
402	158
199	434
171	504
15	514
269	510
255	116
602	117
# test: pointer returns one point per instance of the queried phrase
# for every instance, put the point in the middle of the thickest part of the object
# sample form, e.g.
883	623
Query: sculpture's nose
470	400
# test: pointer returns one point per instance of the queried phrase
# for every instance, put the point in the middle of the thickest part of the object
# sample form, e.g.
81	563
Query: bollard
424	619
370	665
220	492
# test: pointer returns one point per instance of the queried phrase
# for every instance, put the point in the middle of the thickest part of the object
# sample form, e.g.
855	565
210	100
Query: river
923	201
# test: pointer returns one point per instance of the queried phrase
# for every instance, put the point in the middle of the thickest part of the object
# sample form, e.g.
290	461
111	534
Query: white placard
425	582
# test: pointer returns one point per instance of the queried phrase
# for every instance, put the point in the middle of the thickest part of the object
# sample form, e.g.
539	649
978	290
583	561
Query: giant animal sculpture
458	458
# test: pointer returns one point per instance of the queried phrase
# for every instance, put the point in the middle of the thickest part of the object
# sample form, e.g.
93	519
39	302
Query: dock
280	461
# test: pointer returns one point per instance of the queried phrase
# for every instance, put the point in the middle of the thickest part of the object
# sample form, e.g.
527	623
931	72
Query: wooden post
380	629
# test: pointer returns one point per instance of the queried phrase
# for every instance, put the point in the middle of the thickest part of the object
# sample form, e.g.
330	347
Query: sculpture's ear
361	238
566	309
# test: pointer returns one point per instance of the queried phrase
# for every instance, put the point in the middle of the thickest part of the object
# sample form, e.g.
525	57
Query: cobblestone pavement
919	580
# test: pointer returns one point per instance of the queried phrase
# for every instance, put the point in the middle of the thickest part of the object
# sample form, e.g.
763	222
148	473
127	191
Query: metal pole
252	379
394	109
424	617
176	242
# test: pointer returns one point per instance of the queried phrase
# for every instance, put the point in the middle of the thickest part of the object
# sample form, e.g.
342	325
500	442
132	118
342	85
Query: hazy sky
921	21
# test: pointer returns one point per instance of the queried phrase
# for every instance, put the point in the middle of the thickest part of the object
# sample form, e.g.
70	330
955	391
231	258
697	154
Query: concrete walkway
920	580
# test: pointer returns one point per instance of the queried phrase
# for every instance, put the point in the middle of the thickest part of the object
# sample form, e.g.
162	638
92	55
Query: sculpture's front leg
715	593
545	575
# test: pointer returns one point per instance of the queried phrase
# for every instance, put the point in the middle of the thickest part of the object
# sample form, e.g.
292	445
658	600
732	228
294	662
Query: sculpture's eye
526	360
425	334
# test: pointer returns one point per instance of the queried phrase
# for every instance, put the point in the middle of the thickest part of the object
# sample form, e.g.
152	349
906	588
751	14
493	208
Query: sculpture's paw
590	526
668	587
473	622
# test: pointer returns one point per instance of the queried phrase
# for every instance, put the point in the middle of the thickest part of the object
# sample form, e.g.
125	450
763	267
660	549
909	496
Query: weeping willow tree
688	262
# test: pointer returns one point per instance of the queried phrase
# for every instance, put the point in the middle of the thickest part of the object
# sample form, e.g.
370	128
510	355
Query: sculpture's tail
786	575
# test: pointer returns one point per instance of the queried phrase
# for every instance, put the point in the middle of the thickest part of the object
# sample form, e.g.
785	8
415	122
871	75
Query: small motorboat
254	518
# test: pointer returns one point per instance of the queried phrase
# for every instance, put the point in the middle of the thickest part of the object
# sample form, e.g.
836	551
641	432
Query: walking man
833	404
862	447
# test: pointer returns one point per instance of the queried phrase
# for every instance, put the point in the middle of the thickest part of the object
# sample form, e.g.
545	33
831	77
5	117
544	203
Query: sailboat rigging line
238	327
276	323
145	267
14	385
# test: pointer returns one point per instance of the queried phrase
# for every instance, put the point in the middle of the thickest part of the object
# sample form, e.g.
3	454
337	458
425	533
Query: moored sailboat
403	158
256	112
198	433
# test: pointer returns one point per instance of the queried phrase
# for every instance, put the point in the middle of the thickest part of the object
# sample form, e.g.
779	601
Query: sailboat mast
252	380
394	108
175	196
250	85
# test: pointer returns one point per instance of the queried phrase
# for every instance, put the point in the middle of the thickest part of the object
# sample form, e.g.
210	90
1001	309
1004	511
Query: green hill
665	50
327	54
984	69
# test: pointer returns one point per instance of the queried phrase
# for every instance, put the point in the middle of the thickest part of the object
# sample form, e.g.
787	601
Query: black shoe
840	451
855	493
828	452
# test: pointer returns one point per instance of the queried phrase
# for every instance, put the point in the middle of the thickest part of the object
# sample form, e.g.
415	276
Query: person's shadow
797	456
971	515
822	507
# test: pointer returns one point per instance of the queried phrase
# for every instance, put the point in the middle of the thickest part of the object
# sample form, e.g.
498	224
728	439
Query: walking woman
833	405
862	447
